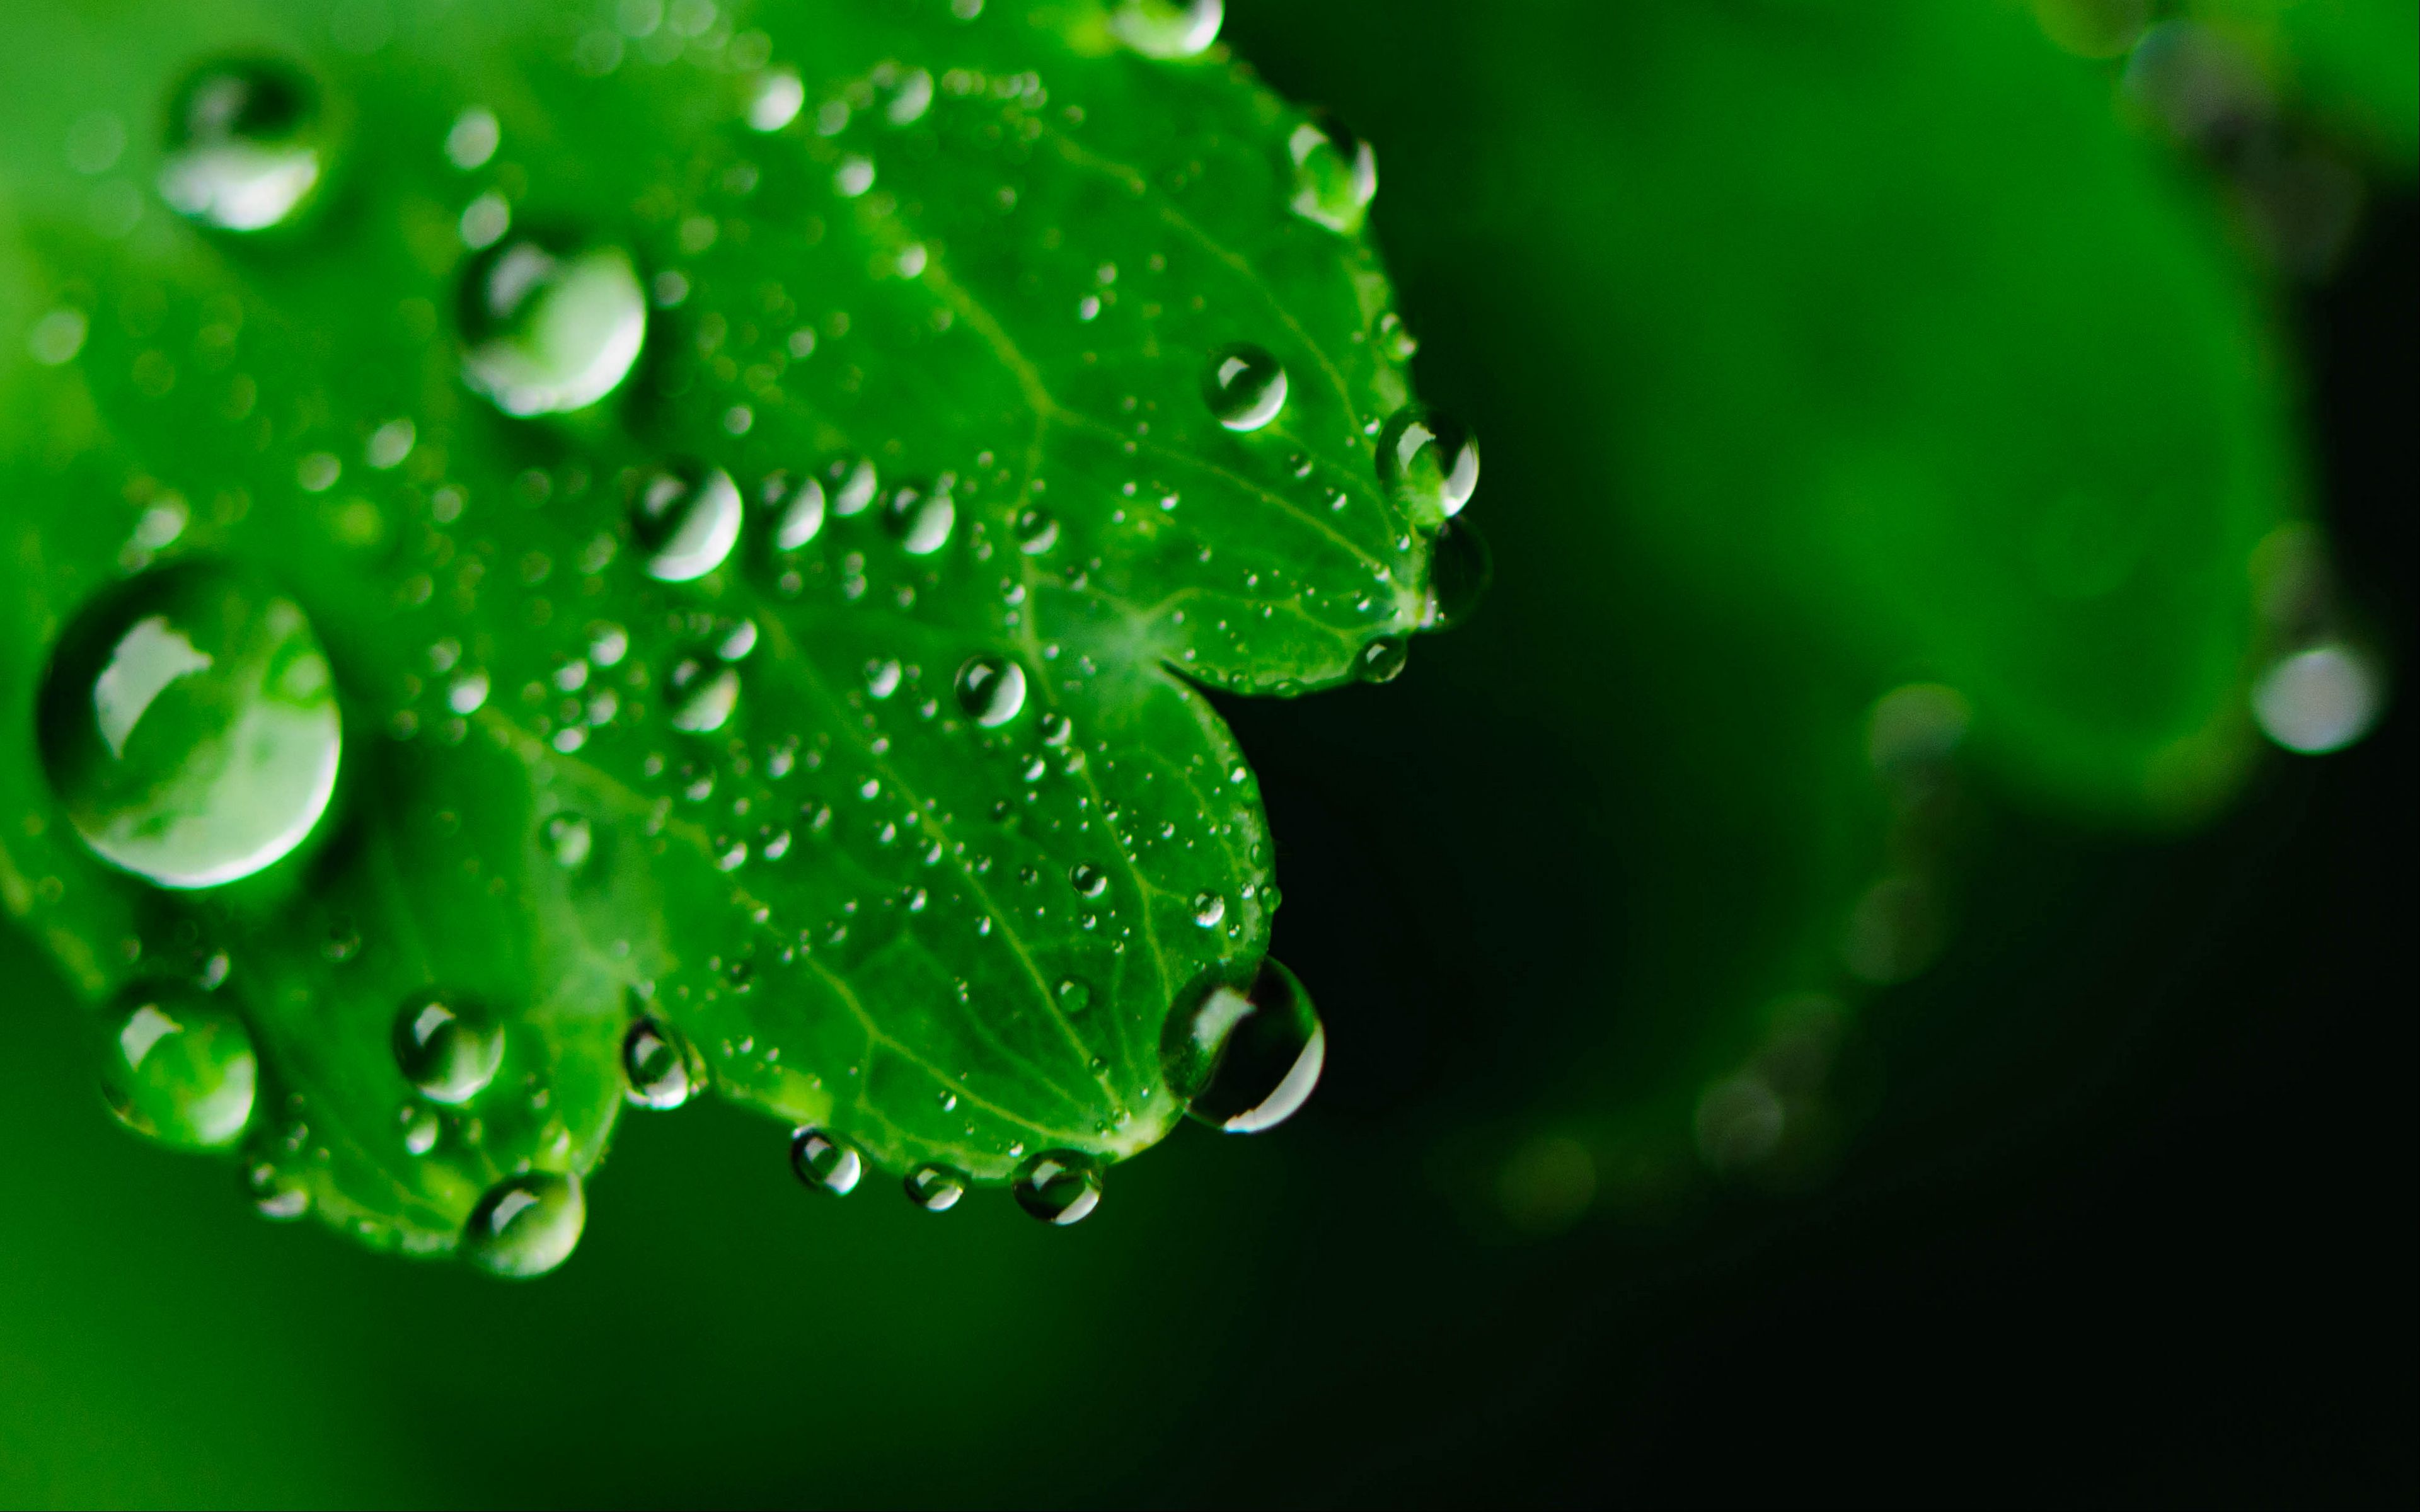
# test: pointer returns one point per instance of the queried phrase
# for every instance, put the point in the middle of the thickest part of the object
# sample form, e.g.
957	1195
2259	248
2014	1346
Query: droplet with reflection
548	330
686	519
178	1069
826	1163
1058	1186
1245	387
1245	1060
447	1047
526	1225
244	149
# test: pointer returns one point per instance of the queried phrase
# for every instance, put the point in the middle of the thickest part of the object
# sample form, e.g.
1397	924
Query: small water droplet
178	1068
663	1073
1037	531
1247	1060
189	726
474	138
774	100
826	1163
447	1048
1382	660
936	1188
421	1128
854	485
1168	28
1428	463
802	511
686	519
1245	387
1074	995
703	695
526	1225
1058	1186
2318	700
1335	173
991	690
920	518
1088	880
1208	909
244	148
551	330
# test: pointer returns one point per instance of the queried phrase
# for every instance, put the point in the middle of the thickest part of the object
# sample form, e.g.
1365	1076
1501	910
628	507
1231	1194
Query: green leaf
897	813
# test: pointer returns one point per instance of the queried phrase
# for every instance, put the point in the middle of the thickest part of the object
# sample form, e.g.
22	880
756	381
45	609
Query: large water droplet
243	146
1460	569
825	1162
1088	880
663	1072
1428	463
2318	701
1246	1060
526	1224
1245	387
686	518
446	1047
703	694
1383	659
548	331
936	1188
1037	531
802	511
1335	173
991	690
921	518
178	1069
1168	28
1058	1186
189	726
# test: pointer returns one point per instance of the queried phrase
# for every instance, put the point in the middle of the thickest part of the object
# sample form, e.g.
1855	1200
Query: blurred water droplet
802	511
936	1188
1460	569
2318	700
1428	464
774	100
854	485
447	1048
921	520
825	1163
1382	660
1246	1060
243	151
1335	173
686	519
991	690
1168	28
526	1225
662	1071
1037	531
474	138
421	1128
548	331
178	1069
1245	387
703	695
189	726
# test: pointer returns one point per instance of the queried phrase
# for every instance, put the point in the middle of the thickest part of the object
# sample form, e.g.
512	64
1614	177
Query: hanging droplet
447	1048
936	1188
570	840
1208	909
526	1224
189	726
802	511
1428	464
548	331
1168	28
178	1068
1382	660
1245	387
1335	173
991	690
1088	880
920	518
1246	1060
2318	700
703	694
686	519
1460	569
243	146
1058	1186
825	1162
1037	531
663	1073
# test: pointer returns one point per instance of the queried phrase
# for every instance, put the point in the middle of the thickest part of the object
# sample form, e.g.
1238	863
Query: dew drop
1074	995
662	1071
178	1068
421	1128
991	690
1058	1186
826	1163
1037	531
549	329
1245	387
936	1188
1428	463
703	695
801	517
854	487
1460	569
686	519
1168	28
446	1048
189	726
1335	173
243	146
569	839
774	100
1208	909
1246	1061
1088	880
1382	660
526	1225
919	520
2318	700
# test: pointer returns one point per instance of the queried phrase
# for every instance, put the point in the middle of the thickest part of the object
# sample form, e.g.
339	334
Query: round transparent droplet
1074	995
245	150
936	1188
662	1071
1208	909
686	519
920	518
1382	660
548	330
1460	569
570	840
178	1069
1058	1186
1037	531
421	1128
801	512
1245	387
189	726
1246	1059
825	1162
526	1225
446	1047
1168	28
702	694
1088	880
1335	173
854	485
991	691
2318	700
1428	463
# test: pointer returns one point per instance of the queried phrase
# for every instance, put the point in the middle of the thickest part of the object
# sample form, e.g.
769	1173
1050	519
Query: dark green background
2125	1213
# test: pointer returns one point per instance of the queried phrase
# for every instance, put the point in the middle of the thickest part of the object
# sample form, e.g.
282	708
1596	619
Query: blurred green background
1818	349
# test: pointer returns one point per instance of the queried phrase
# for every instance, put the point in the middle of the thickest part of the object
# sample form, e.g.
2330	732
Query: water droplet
1074	995
243	149
703	695
991	690
775	99
474	138
1382	660
1037	531
854	485
178	1068
569	839
447	1048
825	1162
936	1188
526	1224
919	520
663	1072
686	518
1058	1186
1168	28
189	726
1088	880
1208	908
1245	387
1246	1061
1335	173
801	517
1428	463
2318	700
550	331
1460	569
421	1128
